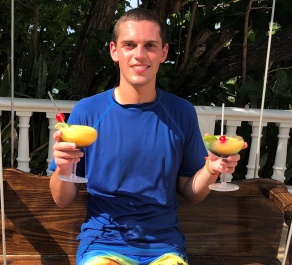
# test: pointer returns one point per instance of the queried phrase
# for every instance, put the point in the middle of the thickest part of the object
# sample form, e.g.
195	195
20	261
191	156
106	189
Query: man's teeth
140	66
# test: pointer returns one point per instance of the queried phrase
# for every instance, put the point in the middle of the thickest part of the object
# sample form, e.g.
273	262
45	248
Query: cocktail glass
82	136
223	146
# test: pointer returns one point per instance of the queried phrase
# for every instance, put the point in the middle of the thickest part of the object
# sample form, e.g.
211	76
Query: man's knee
102	261
169	259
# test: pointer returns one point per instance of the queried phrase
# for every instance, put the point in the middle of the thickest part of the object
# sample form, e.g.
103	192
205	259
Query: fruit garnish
60	117
61	125
222	138
209	138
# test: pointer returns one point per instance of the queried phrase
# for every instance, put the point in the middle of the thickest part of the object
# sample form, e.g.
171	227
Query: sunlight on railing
24	108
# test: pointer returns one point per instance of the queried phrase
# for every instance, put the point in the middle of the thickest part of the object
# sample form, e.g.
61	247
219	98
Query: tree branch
228	63
189	36
245	37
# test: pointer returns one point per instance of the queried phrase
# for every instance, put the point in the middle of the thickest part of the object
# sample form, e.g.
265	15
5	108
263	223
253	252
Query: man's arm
195	189
64	192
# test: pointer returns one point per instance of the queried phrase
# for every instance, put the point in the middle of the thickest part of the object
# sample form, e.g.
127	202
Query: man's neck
132	95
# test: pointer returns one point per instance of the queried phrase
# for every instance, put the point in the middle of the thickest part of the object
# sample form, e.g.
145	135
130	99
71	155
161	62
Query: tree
217	51
83	69
214	45
211	42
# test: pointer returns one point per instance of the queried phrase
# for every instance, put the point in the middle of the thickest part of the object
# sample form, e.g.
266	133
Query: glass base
73	178
223	186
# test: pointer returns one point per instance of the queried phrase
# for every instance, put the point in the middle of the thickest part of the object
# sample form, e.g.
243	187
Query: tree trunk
228	63
82	70
163	8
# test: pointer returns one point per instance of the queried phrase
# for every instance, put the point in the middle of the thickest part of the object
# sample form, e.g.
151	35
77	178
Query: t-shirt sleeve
194	152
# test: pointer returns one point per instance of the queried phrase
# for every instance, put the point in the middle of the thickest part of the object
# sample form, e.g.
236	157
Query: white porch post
253	150
206	123
281	154
23	141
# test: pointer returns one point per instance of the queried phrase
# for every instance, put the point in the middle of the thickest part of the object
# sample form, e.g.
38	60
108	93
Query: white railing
24	108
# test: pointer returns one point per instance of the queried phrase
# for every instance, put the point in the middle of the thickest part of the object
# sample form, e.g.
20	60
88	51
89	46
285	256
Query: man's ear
164	53
113	52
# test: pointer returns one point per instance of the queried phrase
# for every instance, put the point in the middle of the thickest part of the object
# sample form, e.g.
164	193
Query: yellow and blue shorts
106	257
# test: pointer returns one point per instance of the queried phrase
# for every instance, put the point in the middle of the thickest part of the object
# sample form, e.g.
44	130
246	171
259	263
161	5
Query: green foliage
278	93
46	39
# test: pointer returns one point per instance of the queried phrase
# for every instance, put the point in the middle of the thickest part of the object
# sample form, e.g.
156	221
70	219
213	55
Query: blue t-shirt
132	172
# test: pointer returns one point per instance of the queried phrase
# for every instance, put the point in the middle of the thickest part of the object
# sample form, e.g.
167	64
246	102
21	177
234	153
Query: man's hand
217	163
64	153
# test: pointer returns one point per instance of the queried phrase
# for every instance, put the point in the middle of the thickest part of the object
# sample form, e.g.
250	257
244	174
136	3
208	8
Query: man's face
139	53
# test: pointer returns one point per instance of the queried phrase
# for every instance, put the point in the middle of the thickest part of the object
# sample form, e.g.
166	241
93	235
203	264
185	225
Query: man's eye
129	45
150	45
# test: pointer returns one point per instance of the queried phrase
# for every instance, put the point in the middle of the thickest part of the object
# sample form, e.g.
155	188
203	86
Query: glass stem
223	177
223	173
74	167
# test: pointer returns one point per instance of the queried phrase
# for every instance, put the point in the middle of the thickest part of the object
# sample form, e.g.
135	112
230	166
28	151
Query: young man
149	147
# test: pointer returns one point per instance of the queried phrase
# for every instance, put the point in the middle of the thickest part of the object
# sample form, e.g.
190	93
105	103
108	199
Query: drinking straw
52	99
264	90
222	119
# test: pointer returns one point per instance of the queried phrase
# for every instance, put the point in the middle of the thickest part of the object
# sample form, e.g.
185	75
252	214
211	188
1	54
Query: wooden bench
233	228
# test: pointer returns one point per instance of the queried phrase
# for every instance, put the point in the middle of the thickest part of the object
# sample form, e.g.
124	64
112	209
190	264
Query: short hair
140	14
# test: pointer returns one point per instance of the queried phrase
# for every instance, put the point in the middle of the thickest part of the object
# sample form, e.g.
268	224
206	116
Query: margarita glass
82	136
223	146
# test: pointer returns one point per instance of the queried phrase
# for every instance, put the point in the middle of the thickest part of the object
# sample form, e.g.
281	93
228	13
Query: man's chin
139	82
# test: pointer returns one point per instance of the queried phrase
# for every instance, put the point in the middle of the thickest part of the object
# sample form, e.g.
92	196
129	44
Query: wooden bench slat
233	228
39	260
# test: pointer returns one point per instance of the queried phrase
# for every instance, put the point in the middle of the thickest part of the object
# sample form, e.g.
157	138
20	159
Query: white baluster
52	122
231	127
206	123
281	154
23	141
253	150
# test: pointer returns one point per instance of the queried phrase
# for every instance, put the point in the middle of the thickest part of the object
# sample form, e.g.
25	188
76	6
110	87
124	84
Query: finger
234	158
212	156
245	145
57	136
68	154
64	146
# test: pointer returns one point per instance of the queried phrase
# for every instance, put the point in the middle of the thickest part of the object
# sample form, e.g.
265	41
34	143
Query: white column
231	127
52	123
253	149
281	154
206	123
23	141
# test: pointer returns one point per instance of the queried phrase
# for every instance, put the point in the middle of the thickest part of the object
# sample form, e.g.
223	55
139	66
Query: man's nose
140	51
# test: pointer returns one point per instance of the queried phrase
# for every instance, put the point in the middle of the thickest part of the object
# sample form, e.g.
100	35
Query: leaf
289	77
253	89
281	84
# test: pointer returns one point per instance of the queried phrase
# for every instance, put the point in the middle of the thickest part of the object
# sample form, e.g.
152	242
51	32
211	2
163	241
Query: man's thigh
113	258
169	259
